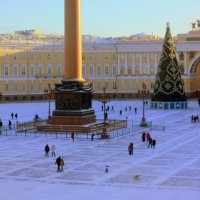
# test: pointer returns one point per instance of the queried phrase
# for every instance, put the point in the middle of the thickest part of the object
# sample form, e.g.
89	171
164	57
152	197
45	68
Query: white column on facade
126	63
185	62
155	63
148	63
140	62
133	64
119	64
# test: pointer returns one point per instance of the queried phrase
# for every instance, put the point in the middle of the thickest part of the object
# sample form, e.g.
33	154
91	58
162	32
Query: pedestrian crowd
195	119
59	160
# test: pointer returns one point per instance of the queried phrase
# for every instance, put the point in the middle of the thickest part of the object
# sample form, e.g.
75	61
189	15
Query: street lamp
104	99
49	91
143	122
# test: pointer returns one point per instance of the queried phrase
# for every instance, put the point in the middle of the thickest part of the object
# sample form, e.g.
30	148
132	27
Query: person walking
135	110
62	163
58	163
131	144
53	151
46	149
12	115
9	124
1	125
154	143
129	149
72	136
92	137
150	142
148	136
143	136
16	116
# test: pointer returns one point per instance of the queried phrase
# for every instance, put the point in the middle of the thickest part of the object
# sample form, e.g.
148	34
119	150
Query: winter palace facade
126	66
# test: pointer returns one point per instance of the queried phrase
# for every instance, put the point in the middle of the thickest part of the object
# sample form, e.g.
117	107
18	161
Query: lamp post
104	99
49	91
143	122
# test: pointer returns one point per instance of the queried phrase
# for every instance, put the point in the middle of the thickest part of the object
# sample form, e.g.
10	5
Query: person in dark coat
129	149
150	142
46	149
58	160
154	143
131	144
16	115
143	136
92	137
9	124
12	115
1	125
72	136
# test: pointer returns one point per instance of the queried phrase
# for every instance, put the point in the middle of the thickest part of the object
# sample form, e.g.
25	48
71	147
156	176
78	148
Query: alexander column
73	96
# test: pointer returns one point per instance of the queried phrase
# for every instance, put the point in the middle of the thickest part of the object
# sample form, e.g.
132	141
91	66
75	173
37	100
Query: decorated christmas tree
169	85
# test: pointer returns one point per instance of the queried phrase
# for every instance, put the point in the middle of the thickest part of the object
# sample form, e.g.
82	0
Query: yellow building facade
125	66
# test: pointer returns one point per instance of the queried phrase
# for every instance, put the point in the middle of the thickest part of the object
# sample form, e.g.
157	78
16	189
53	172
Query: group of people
14	115
127	108
147	137
59	160
195	119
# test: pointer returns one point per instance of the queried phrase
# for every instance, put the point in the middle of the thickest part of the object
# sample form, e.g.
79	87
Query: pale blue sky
102	17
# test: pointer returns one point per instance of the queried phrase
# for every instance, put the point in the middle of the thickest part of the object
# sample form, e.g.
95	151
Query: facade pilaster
185	62
140	63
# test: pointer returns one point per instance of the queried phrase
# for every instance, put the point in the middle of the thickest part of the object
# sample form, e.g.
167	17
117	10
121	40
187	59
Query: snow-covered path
174	165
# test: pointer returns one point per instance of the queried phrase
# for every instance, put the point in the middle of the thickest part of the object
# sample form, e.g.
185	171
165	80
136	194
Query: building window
15	70
123	85
6	57
91	70
130	85
14	57
106	57
106	70
59	69
107	85
114	85
90	57
98	70
84	69
15	87
23	87
39	56
40	66
49	56
23	56
6	70
40	87
32	69
24	70
31	56
114	56
6	87
114	70
49	69
32	87
58	56
83	56
98	56
99	86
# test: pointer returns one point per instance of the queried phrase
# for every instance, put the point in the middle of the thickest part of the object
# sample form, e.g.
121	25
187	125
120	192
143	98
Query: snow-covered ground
170	171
